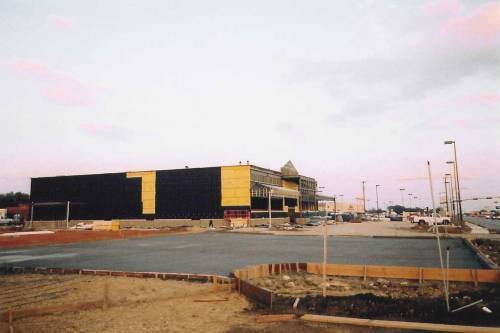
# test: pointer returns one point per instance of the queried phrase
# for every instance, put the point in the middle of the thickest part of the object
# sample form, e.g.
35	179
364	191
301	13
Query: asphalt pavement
485	223
221	253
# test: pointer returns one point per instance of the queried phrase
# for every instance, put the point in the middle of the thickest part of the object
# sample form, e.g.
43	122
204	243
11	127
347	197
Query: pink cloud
61	88
60	21
483	23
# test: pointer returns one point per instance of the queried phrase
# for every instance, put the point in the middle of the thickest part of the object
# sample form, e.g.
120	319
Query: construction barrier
265	297
154	275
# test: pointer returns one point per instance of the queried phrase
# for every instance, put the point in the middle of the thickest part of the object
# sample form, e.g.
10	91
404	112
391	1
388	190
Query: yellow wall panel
148	189
290	185
235	185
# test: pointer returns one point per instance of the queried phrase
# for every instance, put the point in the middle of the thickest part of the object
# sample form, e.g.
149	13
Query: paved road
220	253
490	224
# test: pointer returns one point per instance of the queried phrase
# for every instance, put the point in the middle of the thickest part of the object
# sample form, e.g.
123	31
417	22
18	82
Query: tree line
13	199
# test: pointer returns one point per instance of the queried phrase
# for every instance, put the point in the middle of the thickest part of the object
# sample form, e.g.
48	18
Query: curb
482	258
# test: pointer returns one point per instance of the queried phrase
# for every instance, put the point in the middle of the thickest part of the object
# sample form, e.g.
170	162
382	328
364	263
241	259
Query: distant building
188	193
342	206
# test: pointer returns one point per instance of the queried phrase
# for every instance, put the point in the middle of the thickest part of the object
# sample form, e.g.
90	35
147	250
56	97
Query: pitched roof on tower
289	169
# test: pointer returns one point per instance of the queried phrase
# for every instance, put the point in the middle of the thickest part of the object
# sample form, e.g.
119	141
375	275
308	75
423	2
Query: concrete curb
484	260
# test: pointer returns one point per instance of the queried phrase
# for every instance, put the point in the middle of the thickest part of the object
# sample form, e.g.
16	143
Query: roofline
156	170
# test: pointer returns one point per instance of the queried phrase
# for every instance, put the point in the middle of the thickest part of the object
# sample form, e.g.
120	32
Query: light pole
376	193
457	180
409	195
364	197
452	197
455	189
335	204
402	198
446	195
270	193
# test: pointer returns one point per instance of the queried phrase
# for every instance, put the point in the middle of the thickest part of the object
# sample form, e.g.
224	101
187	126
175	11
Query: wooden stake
11	319
105	299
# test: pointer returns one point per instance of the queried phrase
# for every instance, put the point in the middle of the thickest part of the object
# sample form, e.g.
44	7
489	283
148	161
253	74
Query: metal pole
461	217
270	192
325	254
447	268
67	215
31	215
446	196
335	207
455	202
376	193
364	197
437	237
452	200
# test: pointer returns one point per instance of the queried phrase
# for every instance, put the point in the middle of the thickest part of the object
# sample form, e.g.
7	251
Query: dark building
197	193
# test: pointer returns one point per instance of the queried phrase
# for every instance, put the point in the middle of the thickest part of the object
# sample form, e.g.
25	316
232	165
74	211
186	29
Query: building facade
189	193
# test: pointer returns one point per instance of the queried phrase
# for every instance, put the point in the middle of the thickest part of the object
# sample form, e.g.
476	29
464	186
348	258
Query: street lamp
364	197
376	192
453	184
409	195
335	204
446	194
457	180
452	195
402	198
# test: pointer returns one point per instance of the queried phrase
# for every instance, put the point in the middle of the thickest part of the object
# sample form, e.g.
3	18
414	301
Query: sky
347	90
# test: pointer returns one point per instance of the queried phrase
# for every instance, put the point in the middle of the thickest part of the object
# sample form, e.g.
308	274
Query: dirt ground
449	229
135	305
138	305
490	248
391	299
76	236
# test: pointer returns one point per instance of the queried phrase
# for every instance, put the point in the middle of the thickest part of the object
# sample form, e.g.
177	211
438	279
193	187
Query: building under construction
189	193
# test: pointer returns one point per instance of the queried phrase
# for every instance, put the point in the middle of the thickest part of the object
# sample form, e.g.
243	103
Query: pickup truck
429	219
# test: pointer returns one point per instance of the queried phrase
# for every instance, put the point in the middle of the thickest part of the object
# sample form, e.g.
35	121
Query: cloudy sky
347	90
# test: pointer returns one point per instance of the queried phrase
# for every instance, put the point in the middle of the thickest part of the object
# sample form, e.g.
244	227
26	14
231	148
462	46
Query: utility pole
364	197
457	181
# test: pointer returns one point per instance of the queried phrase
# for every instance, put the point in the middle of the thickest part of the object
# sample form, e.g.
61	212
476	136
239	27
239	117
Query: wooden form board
412	273
399	324
369	271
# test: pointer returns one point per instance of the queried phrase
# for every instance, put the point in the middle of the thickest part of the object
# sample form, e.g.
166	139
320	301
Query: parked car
430	219
313	223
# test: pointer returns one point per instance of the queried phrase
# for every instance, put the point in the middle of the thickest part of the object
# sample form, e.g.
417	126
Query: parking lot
220	253
485	223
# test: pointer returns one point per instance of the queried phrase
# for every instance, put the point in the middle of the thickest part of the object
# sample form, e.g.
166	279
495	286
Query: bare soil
135	305
148	305
76	236
490	248
450	229
390	299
